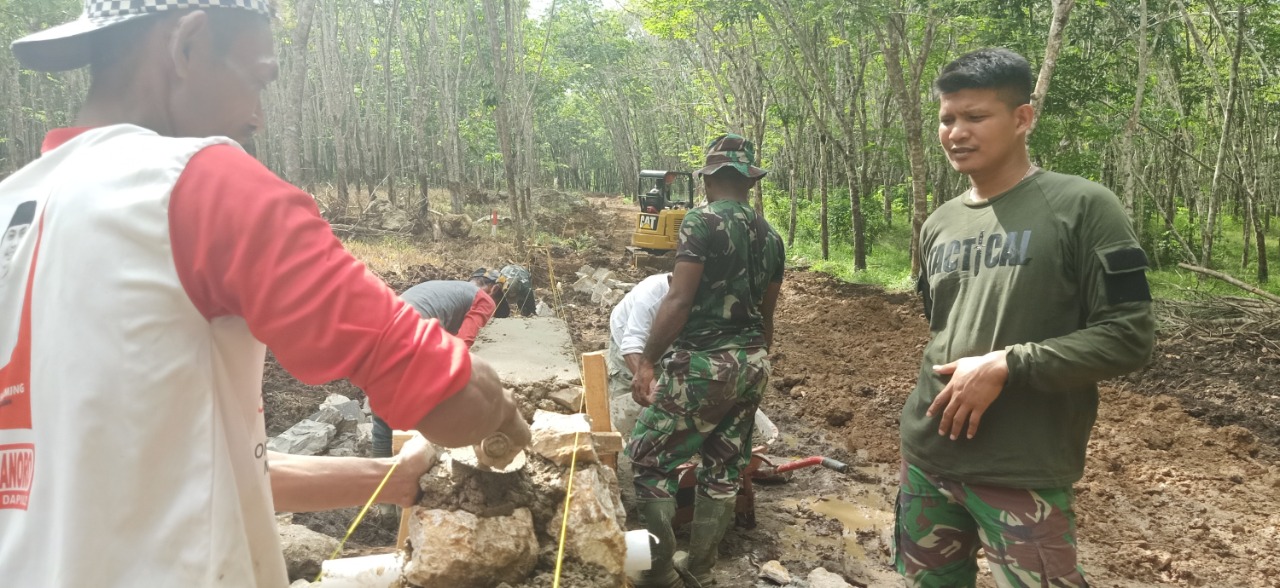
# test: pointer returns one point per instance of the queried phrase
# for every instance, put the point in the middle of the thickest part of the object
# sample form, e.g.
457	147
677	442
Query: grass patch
389	254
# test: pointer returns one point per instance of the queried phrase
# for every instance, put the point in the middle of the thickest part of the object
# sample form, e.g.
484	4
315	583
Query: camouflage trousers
706	406
1028	535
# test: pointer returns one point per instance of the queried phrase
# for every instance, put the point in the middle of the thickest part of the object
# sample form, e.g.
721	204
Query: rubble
459	549
773	571
602	285
304	550
821	578
595	520
479	528
308	437
554	437
382	214
350	413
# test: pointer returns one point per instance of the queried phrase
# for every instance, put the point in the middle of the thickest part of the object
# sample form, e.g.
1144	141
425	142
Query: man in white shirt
628	330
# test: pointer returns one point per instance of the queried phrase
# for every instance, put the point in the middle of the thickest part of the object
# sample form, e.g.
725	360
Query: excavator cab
664	197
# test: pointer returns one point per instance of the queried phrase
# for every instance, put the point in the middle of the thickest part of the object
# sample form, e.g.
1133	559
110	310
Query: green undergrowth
889	257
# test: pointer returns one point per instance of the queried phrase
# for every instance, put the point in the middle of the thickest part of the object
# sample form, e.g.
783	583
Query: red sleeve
246	243
481	310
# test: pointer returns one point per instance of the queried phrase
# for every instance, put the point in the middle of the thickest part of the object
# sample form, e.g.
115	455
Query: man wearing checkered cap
717	321
132	439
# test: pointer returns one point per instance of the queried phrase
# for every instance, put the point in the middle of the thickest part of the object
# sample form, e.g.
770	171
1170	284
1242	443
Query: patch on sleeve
1125	269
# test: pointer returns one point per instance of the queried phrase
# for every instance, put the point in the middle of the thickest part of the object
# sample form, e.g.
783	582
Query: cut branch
1230	280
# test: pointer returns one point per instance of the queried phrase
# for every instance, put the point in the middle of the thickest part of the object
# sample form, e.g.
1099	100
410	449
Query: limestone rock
364	439
598	292
596	521
554	434
585	271
308	437
304	550
602	274
460	550
612	297
821	578
327	414
584	285
570	397
774	572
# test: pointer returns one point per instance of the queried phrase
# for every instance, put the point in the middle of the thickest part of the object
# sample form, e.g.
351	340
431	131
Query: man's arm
301	483
767	307
248	244
644	310
482	308
673	313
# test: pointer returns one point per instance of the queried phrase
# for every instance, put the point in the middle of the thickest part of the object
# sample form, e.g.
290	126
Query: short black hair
115	44
994	68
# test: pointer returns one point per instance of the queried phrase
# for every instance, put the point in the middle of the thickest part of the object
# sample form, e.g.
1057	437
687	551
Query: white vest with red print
132	444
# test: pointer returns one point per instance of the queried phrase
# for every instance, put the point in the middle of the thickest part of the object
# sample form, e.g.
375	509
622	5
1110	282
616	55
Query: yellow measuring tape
360	517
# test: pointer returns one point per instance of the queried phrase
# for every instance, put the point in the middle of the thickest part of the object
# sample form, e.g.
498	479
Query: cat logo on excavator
662	208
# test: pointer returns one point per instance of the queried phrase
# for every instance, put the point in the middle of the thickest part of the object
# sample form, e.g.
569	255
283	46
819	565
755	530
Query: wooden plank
607	443
595	384
398	439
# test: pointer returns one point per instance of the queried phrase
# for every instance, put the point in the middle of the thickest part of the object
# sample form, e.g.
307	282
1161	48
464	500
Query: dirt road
1167	499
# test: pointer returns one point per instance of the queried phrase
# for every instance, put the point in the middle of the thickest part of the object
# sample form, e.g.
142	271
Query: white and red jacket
134	315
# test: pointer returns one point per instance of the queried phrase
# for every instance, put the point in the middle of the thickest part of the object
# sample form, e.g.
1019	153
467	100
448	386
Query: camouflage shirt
740	256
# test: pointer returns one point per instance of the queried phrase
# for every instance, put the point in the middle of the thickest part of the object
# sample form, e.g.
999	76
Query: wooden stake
398	439
595	383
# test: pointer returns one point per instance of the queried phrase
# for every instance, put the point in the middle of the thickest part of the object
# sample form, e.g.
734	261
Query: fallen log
1230	280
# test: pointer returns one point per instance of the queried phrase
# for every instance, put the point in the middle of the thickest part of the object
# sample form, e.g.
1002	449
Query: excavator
662	208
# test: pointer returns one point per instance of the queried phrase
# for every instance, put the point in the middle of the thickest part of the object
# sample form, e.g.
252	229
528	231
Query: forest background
443	104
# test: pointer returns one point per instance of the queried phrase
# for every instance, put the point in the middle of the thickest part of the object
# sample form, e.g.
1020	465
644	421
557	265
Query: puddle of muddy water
859	514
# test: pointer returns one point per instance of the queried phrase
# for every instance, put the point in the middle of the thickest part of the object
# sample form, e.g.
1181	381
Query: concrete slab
524	350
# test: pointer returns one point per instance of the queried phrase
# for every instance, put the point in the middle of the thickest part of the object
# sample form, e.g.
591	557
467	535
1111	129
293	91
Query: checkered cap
734	150
68	46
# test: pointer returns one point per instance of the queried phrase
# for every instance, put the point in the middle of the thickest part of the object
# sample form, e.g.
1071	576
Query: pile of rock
475	528
602	285
341	427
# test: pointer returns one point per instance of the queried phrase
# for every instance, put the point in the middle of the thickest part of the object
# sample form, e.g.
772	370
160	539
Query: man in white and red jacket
132	444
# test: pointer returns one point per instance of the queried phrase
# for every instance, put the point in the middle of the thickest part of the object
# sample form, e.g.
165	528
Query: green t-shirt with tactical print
740	256
1052	272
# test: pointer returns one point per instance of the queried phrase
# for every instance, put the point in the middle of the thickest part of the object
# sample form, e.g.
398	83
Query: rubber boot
658	513
711	518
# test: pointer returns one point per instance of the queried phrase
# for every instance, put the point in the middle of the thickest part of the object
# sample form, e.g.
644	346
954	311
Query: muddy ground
1182	486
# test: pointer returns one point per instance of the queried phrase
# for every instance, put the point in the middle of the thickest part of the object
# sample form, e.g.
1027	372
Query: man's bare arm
767	306
480	409
303	483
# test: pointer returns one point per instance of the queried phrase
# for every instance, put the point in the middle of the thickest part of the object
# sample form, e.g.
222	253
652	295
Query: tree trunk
297	90
1057	28
1211	216
388	160
502	114
911	121
822	191
1127	154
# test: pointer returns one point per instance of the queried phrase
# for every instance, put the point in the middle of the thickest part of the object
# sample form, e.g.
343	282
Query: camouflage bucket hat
731	149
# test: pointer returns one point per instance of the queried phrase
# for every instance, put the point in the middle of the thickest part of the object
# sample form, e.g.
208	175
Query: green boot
658	513
711	518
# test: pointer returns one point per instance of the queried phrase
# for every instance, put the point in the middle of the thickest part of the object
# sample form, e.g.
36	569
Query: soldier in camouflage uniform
717	319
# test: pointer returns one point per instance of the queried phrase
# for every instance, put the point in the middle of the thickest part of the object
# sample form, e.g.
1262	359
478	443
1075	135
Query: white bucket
638	558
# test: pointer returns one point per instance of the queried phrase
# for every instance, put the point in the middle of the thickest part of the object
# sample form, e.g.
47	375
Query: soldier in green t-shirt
717	320
1035	289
